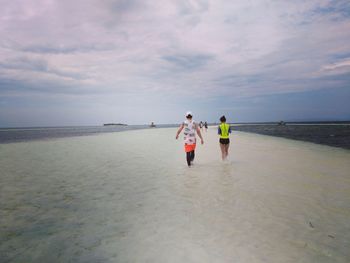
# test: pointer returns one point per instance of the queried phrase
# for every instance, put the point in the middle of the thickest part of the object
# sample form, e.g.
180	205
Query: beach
130	197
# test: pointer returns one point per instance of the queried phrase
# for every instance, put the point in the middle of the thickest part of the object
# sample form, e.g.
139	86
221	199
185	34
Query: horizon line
209	123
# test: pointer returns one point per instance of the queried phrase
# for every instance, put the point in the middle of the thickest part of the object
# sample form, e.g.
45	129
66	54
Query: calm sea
9	135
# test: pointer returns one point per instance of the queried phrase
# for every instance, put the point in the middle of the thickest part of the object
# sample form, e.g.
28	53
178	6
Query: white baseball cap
189	113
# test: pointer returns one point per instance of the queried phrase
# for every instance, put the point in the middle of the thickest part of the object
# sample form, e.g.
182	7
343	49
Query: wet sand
130	197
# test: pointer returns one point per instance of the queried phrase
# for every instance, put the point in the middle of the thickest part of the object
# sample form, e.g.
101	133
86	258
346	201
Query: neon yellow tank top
224	127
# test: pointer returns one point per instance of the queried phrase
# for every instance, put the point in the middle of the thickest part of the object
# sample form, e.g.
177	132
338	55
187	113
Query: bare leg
188	158
192	156
226	150
222	147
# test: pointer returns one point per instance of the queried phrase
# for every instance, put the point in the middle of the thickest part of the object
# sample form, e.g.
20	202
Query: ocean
332	134
9	135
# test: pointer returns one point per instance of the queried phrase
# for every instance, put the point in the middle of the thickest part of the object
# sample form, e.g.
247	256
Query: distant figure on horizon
191	128
206	126
224	130
201	125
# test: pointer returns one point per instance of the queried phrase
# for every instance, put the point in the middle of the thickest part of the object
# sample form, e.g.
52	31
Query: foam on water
129	197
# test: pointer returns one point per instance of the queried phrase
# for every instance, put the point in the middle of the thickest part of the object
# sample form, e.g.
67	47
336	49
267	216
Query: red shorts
190	147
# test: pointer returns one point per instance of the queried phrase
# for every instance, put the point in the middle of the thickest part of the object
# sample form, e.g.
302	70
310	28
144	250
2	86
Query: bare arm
199	134
179	130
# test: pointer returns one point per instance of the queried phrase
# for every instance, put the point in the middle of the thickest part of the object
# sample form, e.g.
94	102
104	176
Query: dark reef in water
337	135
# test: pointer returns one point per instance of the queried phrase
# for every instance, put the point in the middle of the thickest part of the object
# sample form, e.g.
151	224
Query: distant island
115	124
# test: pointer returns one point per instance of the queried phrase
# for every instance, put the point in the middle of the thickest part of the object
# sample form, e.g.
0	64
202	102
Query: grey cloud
50	48
120	11
10	86
188	62
343	79
172	32
339	8
332	10
274	83
344	55
186	7
38	65
239	80
25	63
67	74
122	6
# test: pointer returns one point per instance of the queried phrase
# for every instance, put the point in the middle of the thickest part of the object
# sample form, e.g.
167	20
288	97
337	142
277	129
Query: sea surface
9	135
130	197
332	134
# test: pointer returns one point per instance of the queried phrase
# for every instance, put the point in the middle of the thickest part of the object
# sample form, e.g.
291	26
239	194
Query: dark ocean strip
336	135
10	135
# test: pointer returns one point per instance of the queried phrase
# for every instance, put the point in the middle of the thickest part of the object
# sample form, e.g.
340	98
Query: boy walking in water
191	128
224	130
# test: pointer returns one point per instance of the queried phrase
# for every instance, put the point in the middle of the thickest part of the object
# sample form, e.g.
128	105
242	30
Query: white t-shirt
189	132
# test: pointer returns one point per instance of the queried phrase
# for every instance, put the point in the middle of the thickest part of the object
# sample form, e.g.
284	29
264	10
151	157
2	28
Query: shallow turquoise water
129	197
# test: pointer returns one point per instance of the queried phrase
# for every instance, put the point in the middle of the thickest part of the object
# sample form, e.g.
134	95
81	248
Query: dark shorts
224	141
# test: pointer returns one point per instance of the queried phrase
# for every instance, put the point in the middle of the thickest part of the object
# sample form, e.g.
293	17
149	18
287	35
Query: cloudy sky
87	62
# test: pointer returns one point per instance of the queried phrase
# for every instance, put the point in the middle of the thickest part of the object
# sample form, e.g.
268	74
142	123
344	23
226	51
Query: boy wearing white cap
191	128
